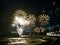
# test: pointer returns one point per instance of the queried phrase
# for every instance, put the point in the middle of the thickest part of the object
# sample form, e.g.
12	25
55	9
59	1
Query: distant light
59	30
13	25
14	32
53	3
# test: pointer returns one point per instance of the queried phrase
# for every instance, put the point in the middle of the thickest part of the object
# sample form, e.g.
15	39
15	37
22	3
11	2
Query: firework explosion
22	21
42	29
36	30
32	19
43	19
39	29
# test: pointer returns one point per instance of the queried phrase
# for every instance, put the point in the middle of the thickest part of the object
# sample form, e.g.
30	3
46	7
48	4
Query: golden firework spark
43	19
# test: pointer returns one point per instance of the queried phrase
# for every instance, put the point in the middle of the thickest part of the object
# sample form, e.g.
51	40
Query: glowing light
13	25
22	22
20	30
53	3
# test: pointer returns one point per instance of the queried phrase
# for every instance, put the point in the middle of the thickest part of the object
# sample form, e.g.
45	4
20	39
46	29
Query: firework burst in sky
43	19
21	20
32	19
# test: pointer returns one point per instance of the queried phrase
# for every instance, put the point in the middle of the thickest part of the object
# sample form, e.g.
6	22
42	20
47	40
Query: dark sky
7	7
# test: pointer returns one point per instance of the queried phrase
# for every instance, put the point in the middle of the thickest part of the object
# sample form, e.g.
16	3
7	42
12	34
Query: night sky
7	7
